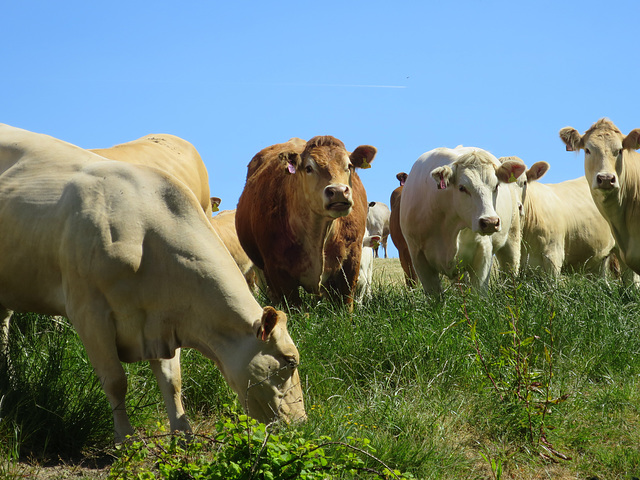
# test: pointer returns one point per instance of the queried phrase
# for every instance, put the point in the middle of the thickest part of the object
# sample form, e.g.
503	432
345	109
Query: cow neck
622	209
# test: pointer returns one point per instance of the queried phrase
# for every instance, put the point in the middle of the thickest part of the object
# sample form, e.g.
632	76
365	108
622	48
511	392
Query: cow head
324	170
536	172
265	375
476	176
603	146
402	178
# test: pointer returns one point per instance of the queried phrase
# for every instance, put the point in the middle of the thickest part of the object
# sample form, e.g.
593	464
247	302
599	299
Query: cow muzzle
337	199
489	225
606	181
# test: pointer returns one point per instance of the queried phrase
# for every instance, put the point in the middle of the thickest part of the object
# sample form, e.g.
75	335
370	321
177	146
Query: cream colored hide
562	228
363	287
449	213
128	256
224	223
171	154
612	169
378	224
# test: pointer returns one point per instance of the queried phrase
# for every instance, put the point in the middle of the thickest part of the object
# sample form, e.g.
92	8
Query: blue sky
234	77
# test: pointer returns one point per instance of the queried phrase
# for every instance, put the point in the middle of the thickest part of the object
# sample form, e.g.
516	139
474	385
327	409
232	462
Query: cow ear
291	161
270	317
537	171
443	176
215	203
362	156
510	170
572	139
402	177
632	141
372	241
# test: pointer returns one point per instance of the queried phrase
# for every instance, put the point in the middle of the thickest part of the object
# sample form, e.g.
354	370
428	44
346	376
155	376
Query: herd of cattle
122	241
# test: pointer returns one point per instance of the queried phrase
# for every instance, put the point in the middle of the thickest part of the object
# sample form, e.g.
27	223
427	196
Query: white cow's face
475	178
604	152
603	161
324	171
476	190
265	376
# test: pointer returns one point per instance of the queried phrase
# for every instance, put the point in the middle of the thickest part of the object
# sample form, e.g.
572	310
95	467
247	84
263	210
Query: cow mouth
339	206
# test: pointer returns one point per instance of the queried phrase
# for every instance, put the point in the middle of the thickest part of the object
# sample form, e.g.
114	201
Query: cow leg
428	276
100	344
114	383
481	266
167	372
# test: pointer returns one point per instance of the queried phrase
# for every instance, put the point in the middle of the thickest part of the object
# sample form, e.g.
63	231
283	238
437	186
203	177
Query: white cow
127	254
378	224
448	212
562	227
363	287
612	169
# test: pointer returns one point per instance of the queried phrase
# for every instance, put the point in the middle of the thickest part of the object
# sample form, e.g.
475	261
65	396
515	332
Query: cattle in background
561	226
170	154
301	216
365	277
224	223
410	276
378	224
128	256
612	170
448	212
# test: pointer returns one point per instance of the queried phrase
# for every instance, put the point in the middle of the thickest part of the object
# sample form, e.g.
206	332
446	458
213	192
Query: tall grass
412	374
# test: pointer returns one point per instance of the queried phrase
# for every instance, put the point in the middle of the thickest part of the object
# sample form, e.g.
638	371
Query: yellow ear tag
214	208
512	178
365	164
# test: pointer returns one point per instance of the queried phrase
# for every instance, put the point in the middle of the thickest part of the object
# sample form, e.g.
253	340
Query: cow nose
489	224
606	180
337	192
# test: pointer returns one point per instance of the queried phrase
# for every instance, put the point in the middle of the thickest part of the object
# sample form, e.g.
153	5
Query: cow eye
587	151
308	169
462	189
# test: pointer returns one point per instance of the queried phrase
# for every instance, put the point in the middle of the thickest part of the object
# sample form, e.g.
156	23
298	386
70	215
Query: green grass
402	370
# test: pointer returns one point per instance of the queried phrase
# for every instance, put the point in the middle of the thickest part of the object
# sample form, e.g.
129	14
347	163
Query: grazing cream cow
410	276
128	256
612	170
378	224
302	214
171	154
562	228
448	212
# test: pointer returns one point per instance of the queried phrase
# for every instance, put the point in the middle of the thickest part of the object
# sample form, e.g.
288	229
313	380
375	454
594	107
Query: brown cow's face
324	170
326	178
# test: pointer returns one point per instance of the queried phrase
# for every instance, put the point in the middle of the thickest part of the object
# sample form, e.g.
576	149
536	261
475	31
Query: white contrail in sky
339	85
346	85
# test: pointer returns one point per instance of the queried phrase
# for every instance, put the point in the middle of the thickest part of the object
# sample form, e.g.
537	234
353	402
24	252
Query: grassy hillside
536	379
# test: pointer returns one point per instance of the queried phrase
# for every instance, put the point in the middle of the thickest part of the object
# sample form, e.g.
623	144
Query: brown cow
286	215
397	238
